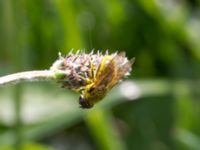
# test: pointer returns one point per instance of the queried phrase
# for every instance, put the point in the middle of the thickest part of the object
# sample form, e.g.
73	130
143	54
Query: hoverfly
109	72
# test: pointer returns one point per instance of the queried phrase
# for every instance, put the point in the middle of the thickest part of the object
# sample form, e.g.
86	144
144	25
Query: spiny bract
92	75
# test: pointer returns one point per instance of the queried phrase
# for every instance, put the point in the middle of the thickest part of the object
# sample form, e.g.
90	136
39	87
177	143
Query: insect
110	71
92	75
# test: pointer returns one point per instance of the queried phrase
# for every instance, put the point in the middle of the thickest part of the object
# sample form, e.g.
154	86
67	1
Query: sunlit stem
27	76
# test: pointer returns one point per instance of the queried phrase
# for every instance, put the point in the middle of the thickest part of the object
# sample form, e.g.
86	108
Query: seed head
93	75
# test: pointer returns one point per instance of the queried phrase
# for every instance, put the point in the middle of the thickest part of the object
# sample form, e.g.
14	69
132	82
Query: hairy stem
39	75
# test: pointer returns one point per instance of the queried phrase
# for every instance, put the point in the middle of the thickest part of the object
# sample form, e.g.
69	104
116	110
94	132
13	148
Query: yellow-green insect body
109	72
91	93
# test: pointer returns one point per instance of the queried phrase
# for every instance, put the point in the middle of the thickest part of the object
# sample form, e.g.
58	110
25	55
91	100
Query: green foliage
29	147
162	35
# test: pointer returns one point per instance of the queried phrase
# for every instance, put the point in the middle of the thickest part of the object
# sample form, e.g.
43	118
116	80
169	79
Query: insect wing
121	70
105	75
109	74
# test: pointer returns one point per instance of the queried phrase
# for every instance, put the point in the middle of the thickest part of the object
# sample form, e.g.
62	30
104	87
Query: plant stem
39	75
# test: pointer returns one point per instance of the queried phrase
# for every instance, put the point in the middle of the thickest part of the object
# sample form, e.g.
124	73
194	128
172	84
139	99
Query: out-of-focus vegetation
163	35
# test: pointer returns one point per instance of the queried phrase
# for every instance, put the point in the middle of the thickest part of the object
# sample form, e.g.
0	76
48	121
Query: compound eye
84	103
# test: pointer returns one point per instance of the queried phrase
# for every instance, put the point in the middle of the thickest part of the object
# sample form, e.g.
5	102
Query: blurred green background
158	108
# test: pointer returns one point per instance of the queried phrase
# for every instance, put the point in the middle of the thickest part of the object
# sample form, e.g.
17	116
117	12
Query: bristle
99	53
71	51
77	52
92	52
107	52
132	60
123	54
115	54
60	55
84	56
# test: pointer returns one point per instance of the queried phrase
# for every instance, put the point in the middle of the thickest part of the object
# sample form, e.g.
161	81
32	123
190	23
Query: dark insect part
84	103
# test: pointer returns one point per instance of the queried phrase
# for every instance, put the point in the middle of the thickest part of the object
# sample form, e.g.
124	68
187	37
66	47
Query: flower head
92	75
